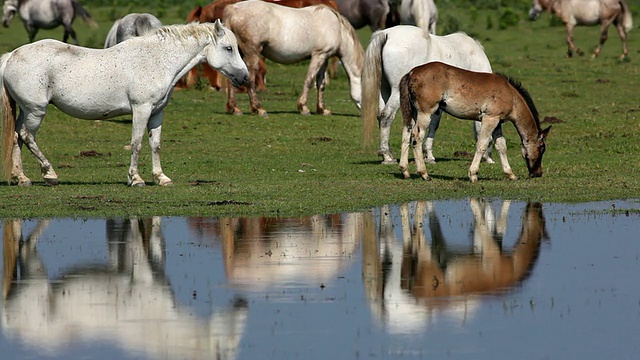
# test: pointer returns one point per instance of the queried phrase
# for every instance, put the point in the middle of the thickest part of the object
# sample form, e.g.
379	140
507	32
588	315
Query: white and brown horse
488	98
289	35
589	12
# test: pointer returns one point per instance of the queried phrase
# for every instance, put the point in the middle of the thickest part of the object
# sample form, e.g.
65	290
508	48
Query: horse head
532	153
539	6
9	9
223	54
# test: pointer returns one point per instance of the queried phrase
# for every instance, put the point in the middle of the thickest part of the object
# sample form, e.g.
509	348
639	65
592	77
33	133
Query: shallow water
449	279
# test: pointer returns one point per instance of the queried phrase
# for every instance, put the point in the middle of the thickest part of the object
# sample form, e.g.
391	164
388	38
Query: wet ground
469	279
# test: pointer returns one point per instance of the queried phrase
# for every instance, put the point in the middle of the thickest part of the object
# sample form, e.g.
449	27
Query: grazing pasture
289	165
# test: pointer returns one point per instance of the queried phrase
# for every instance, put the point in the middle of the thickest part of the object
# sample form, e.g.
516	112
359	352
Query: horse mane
351	32
525	95
193	29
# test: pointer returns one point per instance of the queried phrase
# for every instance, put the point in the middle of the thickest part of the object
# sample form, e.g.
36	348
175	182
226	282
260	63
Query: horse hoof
51	182
389	162
473	178
430	161
165	183
25	183
489	161
325	112
406	174
426	177
305	112
263	113
138	184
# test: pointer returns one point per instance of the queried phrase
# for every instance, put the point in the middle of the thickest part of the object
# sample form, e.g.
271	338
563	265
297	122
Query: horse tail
407	100
8	121
627	19
83	13
371	83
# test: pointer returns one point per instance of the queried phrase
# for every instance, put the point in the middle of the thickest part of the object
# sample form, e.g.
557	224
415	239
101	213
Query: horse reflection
127	301
260	252
419	281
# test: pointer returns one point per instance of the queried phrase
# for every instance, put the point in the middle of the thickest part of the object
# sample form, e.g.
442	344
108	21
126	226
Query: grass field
290	165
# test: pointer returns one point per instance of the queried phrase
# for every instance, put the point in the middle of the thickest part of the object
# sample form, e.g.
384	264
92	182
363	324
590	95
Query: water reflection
128	300
321	280
414	281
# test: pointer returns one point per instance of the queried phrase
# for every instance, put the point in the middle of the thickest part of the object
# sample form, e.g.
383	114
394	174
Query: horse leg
232	104
154	127
315	64
423	122
253	65
604	34
17	172
27	133
433	127
489	123
68	31
623	36
140	120
476	129
320	85
501	146
572	47
385	119
404	149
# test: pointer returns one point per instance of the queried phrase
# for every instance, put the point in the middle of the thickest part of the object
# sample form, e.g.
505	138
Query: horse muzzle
239	81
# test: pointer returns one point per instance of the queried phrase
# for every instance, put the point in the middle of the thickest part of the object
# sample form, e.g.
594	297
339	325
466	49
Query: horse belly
93	107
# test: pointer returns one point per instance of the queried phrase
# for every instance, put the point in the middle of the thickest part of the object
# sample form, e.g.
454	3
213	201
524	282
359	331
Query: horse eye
229	48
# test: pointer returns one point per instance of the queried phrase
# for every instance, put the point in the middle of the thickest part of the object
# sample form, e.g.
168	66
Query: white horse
391	54
46	14
136	77
589	12
131	25
421	13
289	35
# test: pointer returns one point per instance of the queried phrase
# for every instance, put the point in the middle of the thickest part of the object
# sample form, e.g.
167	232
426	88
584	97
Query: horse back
462	93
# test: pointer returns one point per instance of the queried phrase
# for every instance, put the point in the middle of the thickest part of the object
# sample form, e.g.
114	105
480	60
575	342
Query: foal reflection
420	280
127	301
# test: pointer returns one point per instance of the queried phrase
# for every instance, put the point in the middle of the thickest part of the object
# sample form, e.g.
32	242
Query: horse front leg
571	46
501	146
488	125
154	127
232	103
140	120
604	34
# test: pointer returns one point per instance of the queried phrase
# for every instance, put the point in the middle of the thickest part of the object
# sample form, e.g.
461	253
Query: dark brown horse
489	98
589	12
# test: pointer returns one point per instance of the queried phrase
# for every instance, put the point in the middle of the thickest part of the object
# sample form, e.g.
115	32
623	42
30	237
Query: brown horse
589	12
489	98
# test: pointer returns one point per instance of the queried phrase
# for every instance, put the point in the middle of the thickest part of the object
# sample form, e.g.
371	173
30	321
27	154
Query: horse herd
405	67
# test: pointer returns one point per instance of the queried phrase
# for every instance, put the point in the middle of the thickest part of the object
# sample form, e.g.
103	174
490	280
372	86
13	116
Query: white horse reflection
260	252
418	282
128	301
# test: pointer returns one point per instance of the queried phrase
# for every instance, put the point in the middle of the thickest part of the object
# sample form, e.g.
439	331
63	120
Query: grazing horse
390	55
589	12
129	26
46	14
489	98
289	35
421	13
136	77
361	13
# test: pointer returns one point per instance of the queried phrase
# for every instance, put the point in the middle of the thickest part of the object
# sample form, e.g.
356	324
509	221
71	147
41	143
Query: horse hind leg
17	172
29	139
487	155
320	86
385	119
68	31
571	46
428	144
623	36
604	34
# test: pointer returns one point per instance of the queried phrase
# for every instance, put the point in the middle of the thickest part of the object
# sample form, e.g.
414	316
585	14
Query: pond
470	279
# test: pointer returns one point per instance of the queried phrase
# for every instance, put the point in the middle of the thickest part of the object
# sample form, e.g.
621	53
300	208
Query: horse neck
526	124
184	53
351	52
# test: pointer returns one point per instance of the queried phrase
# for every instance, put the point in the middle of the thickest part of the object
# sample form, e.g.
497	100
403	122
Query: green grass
291	165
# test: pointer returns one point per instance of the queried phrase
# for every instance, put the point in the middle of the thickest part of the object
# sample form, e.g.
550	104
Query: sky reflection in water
461	279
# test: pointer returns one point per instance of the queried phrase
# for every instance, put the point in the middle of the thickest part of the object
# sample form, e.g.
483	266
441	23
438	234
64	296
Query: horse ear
544	133
219	28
